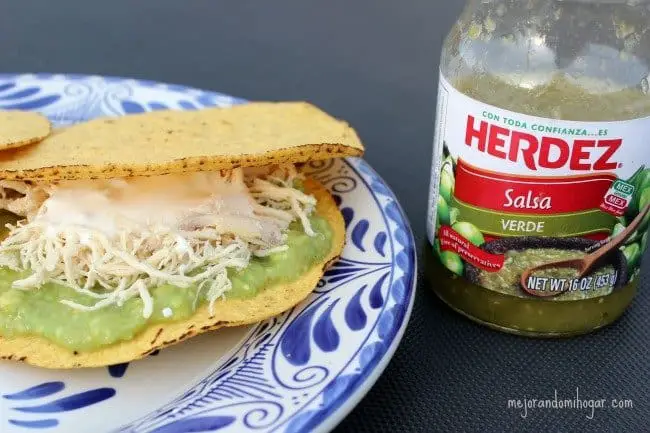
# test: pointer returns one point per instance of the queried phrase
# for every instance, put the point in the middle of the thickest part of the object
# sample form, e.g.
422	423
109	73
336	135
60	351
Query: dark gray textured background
374	63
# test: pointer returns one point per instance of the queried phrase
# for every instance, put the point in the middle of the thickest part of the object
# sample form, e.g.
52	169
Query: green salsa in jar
541	155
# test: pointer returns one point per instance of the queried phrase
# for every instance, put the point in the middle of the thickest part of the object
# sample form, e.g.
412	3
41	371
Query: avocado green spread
562	280
39	312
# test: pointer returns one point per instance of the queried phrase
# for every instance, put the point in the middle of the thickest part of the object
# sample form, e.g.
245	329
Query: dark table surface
374	63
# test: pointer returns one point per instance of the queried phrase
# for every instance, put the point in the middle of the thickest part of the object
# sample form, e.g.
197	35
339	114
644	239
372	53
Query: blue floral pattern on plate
301	371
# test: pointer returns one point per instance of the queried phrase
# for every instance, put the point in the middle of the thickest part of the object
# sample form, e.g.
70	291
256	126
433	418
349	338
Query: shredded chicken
110	268
21	198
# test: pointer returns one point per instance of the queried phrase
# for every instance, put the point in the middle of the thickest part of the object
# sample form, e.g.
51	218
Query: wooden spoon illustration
584	265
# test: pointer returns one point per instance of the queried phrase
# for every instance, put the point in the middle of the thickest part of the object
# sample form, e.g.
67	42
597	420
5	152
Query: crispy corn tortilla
163	142
20	128
235	312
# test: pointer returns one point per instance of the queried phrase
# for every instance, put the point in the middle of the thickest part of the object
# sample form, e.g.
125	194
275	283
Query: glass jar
541	154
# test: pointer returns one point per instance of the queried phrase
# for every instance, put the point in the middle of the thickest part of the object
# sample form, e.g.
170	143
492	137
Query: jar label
511	192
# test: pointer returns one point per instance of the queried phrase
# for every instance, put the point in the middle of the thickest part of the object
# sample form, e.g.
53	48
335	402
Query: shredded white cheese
114	240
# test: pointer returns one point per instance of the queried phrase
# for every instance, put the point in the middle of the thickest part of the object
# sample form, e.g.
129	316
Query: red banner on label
533	195
451	240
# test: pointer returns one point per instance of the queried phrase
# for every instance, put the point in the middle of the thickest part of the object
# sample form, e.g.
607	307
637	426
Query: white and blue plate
302	371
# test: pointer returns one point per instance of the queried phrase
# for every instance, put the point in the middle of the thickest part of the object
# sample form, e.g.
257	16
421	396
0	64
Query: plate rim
353	399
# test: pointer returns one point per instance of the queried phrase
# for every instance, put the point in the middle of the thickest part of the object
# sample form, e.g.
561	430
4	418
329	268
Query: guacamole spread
39	312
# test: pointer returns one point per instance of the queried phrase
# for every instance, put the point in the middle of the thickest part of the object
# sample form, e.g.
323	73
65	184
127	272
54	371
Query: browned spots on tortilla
148	352
160	330
327	265
185	335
